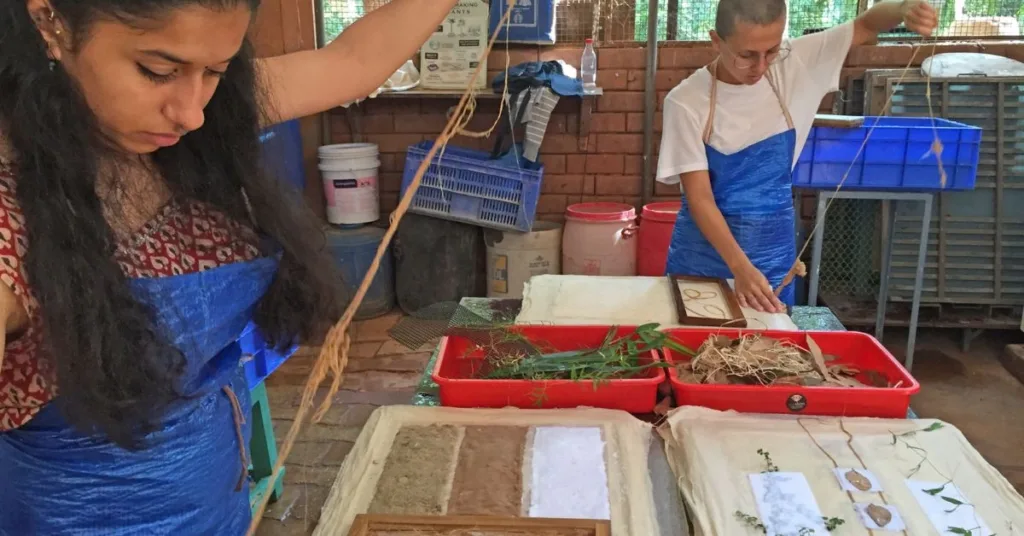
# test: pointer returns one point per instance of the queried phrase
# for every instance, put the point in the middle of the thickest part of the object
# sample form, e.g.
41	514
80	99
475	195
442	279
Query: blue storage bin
468	186
897	156
282	153
531	21
354	249
258	360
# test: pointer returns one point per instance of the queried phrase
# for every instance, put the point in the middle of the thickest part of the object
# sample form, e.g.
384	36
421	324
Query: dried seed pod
880	515
858	480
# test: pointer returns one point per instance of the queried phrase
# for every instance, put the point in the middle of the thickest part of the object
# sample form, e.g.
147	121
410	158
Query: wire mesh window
611	21
576	20
691	20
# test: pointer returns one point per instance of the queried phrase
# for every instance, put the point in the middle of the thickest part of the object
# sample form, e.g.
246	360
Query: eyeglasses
747	62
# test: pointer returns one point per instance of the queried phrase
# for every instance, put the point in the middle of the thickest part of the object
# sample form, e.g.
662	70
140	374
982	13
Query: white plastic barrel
513	258
349	172
599	239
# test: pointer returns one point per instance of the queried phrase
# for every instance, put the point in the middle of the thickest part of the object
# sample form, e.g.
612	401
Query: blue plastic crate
897	157
468	186
258	360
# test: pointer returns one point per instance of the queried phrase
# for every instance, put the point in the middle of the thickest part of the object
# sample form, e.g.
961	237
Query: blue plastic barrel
353	249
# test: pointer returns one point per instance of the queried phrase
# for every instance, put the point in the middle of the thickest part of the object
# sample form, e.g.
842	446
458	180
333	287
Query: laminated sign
449	58
531	21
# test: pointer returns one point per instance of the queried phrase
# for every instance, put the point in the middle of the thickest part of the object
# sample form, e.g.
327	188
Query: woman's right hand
754	291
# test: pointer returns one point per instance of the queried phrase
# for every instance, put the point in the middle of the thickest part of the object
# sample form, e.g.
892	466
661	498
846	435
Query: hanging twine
798	267
333	355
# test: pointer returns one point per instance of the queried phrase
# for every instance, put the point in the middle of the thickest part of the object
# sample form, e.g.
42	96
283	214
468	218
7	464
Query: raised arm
354	64
918	15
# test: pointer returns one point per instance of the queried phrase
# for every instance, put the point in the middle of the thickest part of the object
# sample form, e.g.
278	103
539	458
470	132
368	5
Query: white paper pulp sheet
568	473
624	441
604	300
713	455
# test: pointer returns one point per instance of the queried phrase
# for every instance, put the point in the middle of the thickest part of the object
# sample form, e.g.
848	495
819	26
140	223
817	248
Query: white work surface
601	300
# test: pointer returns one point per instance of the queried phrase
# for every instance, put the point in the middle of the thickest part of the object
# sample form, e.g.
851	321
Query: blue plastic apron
753	189
191	478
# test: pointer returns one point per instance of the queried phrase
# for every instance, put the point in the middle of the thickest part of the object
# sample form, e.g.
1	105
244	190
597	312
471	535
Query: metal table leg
922	252
819	239
889	228
889	204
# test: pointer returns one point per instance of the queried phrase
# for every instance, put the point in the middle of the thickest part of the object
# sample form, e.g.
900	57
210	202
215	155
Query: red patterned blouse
184	237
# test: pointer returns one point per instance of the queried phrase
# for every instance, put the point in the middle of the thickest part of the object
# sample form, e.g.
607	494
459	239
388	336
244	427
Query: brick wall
607	165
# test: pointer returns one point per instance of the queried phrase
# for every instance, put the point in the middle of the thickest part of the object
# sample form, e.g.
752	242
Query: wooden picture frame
366	524
735	313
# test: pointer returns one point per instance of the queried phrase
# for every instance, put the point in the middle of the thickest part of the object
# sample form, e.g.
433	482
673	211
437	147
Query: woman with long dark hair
139	234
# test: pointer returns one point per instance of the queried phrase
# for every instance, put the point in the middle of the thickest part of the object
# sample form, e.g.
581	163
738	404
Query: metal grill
691	20
336	15
850	260
976	244
575	20
613	21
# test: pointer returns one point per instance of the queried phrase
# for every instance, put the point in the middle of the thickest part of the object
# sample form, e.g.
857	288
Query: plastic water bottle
588	68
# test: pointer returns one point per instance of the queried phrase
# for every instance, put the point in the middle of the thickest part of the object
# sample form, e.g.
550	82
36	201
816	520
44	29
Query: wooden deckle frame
627	441
735	319
366	524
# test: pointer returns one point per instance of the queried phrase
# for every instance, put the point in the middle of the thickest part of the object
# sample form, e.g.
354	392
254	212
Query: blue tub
897	157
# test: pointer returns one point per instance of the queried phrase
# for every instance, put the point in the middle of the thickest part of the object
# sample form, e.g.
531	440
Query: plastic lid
663	211
601	212
348	150
589	41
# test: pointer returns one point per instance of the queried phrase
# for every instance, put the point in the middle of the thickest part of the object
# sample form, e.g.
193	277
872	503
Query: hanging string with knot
333	357
798	268
470	109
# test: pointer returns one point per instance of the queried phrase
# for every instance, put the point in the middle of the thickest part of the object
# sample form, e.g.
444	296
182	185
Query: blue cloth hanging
753	189
538	73
58	481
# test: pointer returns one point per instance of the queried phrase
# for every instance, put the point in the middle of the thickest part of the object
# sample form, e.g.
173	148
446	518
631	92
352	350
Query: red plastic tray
458	361
851	348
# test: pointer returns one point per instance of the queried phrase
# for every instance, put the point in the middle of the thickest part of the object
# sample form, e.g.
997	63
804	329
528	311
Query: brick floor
380	372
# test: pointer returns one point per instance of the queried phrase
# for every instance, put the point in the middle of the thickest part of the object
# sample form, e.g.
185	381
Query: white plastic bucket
349	172
513	258
599	239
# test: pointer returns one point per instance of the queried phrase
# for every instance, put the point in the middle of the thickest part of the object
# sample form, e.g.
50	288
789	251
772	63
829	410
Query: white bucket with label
513	258
349	172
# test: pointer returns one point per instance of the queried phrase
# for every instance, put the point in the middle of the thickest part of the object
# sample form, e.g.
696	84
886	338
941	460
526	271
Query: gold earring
52	17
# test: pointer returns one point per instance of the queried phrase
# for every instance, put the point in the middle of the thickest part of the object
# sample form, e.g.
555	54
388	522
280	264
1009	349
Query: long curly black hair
116	373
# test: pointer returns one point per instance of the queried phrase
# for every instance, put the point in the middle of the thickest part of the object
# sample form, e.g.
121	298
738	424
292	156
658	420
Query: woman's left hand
920	17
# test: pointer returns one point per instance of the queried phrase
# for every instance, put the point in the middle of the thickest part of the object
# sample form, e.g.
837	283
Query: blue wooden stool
259	361
263	450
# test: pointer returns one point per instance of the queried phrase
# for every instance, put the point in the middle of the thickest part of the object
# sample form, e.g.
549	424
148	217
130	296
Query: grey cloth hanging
542	103
533	108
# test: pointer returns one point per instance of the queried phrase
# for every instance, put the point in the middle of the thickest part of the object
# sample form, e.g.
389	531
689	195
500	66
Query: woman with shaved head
733	130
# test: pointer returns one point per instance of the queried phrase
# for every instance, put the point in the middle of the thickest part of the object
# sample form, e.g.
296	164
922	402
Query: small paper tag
786	504
895	524
845	480
948	508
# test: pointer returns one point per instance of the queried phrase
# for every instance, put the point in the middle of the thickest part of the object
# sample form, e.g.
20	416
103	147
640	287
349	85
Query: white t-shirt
745	115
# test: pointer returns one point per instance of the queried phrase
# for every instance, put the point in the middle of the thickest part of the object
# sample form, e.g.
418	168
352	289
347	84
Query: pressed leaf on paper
858	480
881	516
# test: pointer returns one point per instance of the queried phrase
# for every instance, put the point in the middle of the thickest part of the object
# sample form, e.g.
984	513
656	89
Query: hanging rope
798	267
334	353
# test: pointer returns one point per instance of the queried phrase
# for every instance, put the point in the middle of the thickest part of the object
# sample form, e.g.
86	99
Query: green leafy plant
770	466
751	521
615	357
831	524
